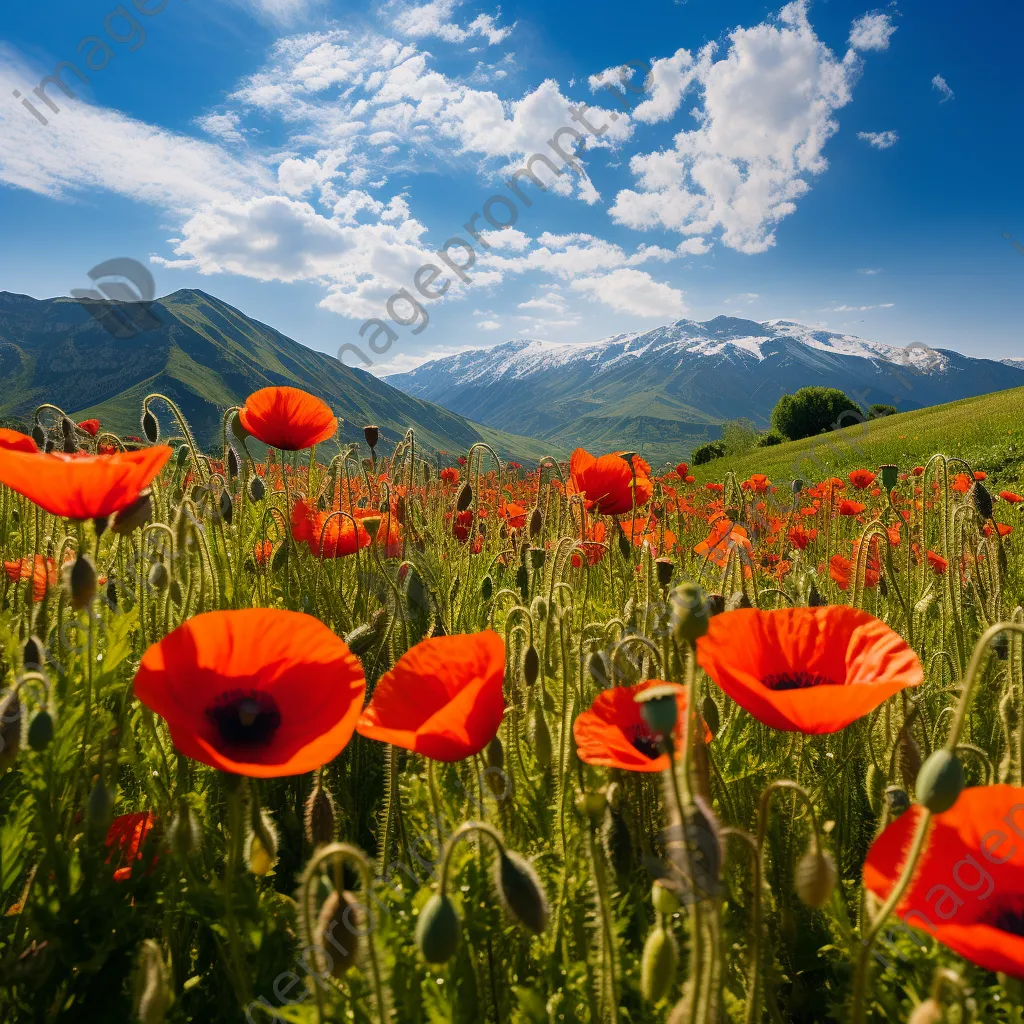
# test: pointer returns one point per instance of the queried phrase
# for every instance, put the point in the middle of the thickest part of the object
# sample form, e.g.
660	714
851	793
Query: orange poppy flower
647	529
443	699
862	478
810	670
606	483
1011	497
800	538
961	483
613	733
841	569
128	832
287	418
14	441
515	515
261	692
850	508
725	535
592	548
261	552
80	486
91	427
450	475
41	571
966	890
938	563
1004	529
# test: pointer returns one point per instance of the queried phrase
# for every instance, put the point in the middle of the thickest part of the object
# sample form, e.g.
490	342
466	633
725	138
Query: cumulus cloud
435	19
766	115
634	292
858	309
938	82
872	32
489	325
880	140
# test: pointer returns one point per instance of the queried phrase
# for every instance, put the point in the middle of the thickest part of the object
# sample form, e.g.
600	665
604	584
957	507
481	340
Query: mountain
206	356
664	390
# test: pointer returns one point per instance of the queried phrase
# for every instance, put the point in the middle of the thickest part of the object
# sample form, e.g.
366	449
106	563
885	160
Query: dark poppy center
245	718
1007	918
644	742
796	681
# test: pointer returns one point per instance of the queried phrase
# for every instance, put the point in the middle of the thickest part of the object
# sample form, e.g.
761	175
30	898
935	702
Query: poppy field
301	732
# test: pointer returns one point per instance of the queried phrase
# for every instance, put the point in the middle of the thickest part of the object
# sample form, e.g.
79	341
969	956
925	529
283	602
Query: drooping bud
39	435
910	758
658	965
40	730
531	665
897	800
67	427
521	891
319	817
537	557
541	736
815	878
940	781
665	568
81	581
151	993
689	612
438	929
181	455
664	899
874	785
150	427
262	853
224	507
797	486
257	488
33	653
99	811
814	598
982	500
339	931
487	588
536	522
465	498
158	576
709	712
133	516
523	582
232	463
600	668
183	834
236	427
372	435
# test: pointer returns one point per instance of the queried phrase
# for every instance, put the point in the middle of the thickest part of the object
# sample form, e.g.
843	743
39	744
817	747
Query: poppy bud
150	427
940	781
372	435
689	612
928	1012
910	759
539	609
709	712
536	522
874	786
10	729
70	443
99	811
664	899
592	805
262	854
465	498
437	930
236	427
150	989
815	878
658	965
1000	645
183	833
521	891
181	456
40	730
257	488
319	817
897	800
665	569
339	913
112	594
82	581
537	556
541	737
232	462
814	599
890	476
487	588
600	668
982	500
658	709
158	576
32	654
797	486
224	507
531	665
523	581
133	516
39	435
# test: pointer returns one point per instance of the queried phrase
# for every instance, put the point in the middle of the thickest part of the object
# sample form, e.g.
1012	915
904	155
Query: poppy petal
287	418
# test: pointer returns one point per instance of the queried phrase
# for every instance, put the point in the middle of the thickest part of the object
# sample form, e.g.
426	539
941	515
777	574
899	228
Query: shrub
769	438
738	436
706	452
878	410
812	411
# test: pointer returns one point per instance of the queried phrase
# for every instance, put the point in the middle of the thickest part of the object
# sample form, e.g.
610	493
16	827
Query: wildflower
514	515
462	524
607	484
128	832
961	483
938	564
918	471
683	470
91	427
613	734
443	699
41	571
862	478
1004	529
800	537
262	551
1011	497
258	692
850	508
810	670
592	548
841	570
450	475
287	418
759	483
725	535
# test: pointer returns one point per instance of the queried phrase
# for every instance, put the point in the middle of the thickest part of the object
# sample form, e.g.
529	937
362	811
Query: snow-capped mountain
678	382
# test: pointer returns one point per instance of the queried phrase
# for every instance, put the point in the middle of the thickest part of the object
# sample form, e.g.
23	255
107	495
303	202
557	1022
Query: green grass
987	431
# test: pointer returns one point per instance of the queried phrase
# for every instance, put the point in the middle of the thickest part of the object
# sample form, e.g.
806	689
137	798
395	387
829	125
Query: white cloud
222	126
880	140
858	309
435	19
507	239
669	80
767	114
280	12
551	301
489	325
870	270
938	82
692	247
872	32
634	292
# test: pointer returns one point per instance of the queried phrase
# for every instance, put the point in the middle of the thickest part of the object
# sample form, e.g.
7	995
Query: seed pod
151	993
815	878
33	653
438	929
319	817
665	568
690	612
465	498
521	891
541	737
40	730
897	800
257	488
158	576
658	709
658	965
150	427
134	516
940	781
339	929
928	1012
372	435
982	500
709	712
531	665
262	853
82	581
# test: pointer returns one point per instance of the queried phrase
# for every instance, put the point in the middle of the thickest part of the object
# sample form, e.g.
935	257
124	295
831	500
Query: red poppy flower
800	538
515	516
938	563
961	483
810	670
81	486
1011	497
980	475
262	551
13	441
841	570
968	885
41	571
918	470
647	529
758	482
683	470
450	475
593	547
612	733
128	832
1004	529
716	487
724	536
443	698
850	508
606	483
862	478
287	418
91	427
261	692
462	525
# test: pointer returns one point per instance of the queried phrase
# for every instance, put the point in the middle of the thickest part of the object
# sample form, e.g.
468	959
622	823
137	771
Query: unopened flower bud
658	965
40	730
531	665
438	929
709	712
319	817
133	516
890	476
665	901
690	612
183	834
158	576
10	729
150	427
99	811
815	878
339	932
541	736
151	994
257	488
940	781
372	435
897	800
33	653
665	568
262	855
982	500
536	522
82	581
181	455
521	891
592	806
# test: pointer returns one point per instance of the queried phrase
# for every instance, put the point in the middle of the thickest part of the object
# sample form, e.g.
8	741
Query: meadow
425	737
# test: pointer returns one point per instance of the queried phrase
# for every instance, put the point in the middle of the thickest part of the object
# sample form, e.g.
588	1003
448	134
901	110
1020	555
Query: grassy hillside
988	432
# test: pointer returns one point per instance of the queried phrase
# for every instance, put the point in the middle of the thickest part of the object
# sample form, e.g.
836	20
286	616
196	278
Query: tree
769	438
812	411
878	410
738	436
704	453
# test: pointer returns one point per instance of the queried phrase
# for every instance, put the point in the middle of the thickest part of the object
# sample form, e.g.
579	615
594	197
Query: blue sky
829	162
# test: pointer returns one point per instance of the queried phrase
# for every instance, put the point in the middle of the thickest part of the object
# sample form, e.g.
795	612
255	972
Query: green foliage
878	409
704	453
812	411
738	436
769	439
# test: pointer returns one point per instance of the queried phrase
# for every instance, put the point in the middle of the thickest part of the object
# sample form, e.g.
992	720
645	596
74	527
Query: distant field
987	431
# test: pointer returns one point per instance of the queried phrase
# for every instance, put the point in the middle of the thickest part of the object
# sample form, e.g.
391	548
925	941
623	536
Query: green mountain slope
206	356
